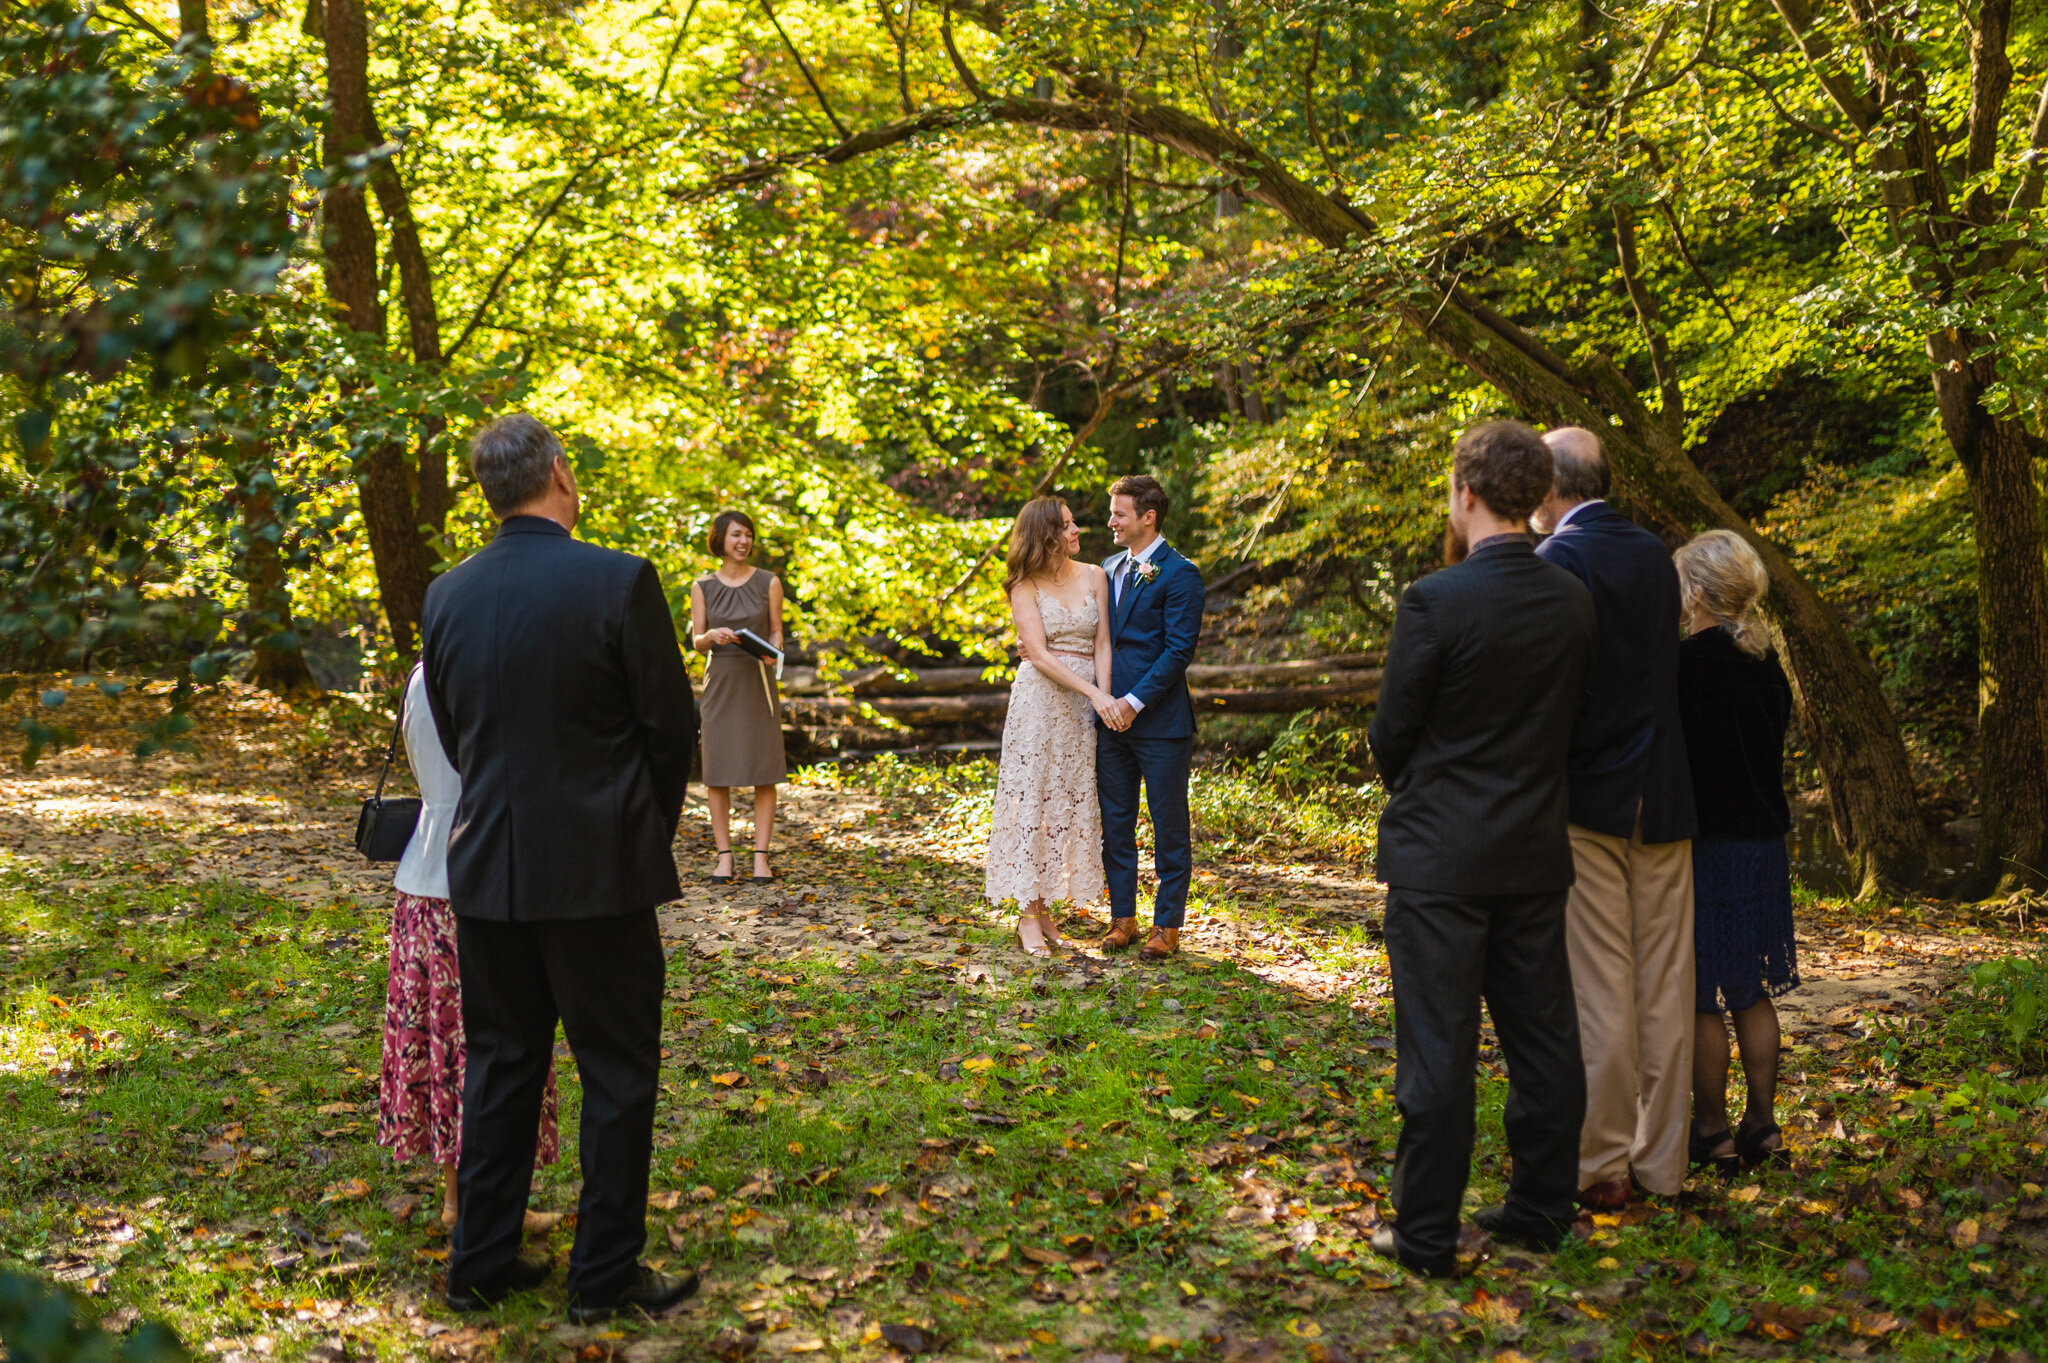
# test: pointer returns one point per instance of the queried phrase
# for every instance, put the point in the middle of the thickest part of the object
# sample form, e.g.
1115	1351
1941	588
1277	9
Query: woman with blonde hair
1735	704
1045	845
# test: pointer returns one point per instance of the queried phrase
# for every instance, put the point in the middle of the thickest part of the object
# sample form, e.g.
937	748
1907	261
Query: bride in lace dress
1046	843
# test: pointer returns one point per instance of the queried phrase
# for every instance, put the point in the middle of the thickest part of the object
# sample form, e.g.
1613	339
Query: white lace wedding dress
1046	841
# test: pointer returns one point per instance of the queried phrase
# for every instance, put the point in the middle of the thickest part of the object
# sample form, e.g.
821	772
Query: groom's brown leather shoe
1123	932
1163	943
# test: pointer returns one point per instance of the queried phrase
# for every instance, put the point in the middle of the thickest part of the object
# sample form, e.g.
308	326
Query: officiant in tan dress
741	708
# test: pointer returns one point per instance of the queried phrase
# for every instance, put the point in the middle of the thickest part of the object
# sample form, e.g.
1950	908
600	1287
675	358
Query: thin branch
1646	314
1723	64
2027	196
1685	251
901	39
674	48
953	53
1049	479
498	281
1861	111
1308	104
120	5
805	67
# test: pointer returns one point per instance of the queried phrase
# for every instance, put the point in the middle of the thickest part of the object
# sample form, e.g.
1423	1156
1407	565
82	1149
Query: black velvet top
1734	708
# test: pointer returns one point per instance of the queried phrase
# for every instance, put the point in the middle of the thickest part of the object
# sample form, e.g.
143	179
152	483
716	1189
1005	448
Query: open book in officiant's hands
760	648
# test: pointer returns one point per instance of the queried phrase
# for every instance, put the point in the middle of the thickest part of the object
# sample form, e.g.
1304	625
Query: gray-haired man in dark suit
559	692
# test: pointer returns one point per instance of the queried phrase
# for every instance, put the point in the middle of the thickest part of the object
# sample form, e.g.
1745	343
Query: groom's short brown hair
1506	465
1145	494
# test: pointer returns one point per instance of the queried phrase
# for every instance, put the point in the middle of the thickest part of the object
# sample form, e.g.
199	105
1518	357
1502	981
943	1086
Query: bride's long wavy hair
1038	542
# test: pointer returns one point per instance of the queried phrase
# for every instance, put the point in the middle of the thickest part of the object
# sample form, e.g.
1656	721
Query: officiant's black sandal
768	879
727	878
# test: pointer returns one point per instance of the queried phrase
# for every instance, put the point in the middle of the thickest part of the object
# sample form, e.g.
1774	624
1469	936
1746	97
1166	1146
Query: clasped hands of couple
1114	711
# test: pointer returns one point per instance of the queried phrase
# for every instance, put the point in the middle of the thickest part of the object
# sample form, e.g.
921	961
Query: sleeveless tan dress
740	723
1046	838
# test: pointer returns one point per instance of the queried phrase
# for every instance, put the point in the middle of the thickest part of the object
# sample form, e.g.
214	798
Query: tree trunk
1998	460
280	661
384	492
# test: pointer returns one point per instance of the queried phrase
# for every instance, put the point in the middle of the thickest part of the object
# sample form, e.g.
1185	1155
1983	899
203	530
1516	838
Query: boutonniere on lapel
1147	570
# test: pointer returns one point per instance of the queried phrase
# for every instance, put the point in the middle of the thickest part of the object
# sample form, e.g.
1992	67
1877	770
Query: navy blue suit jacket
1628	749
1153	631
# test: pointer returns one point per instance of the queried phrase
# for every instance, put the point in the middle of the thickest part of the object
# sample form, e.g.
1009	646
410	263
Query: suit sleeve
1407	688
1184	595
663	704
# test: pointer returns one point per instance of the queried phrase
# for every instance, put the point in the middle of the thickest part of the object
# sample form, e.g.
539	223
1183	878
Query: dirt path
269	803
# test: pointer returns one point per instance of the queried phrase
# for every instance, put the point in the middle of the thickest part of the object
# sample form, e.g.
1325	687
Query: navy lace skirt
1742	922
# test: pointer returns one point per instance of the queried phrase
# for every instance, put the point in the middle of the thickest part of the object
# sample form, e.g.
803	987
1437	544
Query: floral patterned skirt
419	1094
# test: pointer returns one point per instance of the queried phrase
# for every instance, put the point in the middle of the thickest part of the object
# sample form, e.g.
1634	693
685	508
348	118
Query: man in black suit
1486	670
1629	922
559	691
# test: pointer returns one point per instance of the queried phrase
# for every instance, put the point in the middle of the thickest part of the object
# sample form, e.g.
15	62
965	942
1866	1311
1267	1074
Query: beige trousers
1628	930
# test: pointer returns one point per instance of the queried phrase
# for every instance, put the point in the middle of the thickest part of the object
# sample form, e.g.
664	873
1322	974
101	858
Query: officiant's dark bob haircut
724	521
1506	464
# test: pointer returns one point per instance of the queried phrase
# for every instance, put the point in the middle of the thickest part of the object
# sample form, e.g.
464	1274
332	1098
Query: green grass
1058	1162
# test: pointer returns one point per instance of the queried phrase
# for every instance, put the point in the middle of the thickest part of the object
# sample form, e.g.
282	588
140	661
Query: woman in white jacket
419	1093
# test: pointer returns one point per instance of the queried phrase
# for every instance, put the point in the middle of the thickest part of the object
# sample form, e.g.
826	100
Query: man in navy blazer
1149	738
1628	924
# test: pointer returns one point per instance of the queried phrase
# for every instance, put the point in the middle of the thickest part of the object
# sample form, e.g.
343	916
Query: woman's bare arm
775	611
1102	646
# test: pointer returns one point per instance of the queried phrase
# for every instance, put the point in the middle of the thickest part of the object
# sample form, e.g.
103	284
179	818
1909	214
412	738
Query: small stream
1819	862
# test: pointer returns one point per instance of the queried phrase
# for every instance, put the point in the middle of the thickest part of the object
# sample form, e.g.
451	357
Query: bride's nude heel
1041	952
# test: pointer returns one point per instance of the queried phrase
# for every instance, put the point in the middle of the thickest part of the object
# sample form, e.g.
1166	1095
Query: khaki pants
1628	930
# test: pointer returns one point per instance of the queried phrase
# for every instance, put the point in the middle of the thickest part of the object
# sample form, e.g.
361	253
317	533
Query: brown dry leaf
346	1191
1749	1193
1986	1314
335	1110
1043	1256
1874	1324
728	1079
1964	1236
664	1201
1490	1310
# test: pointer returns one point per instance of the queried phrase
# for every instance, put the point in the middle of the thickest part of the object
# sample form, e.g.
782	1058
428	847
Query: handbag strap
397	727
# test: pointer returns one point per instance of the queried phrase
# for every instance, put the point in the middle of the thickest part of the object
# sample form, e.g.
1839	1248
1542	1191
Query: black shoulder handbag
385	826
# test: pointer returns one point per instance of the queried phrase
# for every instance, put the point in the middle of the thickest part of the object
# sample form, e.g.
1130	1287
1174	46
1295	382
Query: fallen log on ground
966	681
1297	670
1356	688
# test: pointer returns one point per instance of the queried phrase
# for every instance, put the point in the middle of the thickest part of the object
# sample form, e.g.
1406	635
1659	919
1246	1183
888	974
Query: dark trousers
602	977
1446	953
1162	765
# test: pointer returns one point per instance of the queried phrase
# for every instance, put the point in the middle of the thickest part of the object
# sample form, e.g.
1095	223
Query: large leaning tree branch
1857	737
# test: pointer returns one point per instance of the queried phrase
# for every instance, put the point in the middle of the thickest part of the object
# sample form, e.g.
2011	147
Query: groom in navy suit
1148	736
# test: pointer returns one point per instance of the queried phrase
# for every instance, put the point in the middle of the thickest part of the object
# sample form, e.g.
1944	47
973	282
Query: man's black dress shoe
1387	1247
523	1276
652	1292
1507	1229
